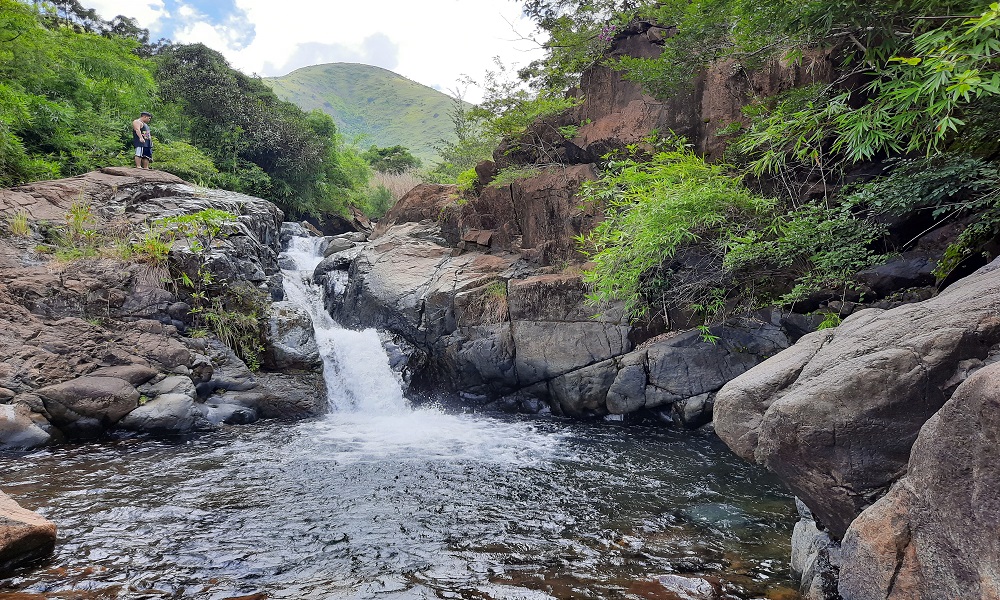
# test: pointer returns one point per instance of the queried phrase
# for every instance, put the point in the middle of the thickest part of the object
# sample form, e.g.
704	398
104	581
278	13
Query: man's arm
137	127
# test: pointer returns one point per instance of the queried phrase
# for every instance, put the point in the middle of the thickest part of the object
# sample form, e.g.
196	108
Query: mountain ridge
382	106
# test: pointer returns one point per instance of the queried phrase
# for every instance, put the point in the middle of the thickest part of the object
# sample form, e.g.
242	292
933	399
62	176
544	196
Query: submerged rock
24	535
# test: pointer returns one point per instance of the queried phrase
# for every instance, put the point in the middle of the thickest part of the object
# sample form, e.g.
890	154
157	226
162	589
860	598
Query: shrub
653	208
185	161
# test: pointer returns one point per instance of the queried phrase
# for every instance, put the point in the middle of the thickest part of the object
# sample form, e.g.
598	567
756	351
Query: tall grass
397	184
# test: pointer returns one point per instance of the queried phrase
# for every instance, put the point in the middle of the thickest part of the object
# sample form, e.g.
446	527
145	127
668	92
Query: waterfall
355	366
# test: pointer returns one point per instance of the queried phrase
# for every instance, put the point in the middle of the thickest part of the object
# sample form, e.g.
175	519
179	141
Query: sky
433	42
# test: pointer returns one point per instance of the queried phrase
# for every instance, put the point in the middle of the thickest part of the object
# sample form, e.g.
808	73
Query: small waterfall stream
380	501
355	367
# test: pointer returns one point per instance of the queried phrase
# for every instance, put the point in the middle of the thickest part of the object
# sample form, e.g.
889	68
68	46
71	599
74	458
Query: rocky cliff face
483	317
98	343
882	427
485	288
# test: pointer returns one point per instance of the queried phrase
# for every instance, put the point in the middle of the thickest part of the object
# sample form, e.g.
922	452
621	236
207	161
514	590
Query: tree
394	159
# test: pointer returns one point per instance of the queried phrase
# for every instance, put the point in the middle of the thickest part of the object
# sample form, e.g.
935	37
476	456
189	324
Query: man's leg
138	158
145	163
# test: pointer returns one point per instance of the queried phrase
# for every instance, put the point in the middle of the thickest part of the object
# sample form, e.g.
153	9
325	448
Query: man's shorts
144	152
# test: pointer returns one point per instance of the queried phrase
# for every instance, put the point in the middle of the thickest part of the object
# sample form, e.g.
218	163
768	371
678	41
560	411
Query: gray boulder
290	340
87	405
836	415
167	413
816	558
934	535
18	430
333	245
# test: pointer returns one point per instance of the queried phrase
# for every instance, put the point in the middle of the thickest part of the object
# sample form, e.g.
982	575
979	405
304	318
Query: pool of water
416	504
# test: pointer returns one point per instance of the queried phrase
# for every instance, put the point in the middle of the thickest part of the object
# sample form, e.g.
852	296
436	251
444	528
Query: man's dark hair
146	114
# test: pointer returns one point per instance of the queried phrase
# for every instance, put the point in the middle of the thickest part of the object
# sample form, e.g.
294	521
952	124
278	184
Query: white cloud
437	40
147	13
228	37
376	49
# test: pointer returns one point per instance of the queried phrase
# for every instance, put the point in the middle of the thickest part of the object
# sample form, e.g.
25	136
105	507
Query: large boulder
934	535
836	415
24	535
169	409
290	340
85	406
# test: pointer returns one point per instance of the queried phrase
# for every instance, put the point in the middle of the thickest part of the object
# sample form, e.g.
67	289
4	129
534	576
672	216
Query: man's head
145	116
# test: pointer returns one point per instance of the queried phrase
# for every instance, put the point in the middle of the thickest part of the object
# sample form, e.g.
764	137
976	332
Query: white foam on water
370	419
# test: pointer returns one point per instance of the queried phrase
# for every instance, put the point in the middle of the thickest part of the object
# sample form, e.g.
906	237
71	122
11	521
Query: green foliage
66	95
185	161
511	174
467	180
830	320
395	159
652	209
17	224
377	201
234	313
817	246
236	316
506	113
578	33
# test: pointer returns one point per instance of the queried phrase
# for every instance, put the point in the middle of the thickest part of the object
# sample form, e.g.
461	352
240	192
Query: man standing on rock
141	141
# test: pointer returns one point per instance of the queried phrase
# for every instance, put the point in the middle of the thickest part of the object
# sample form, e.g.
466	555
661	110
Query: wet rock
85	406
835	416
689	588
25	536
285	396
910	270
693	412
167	413
339	261
583	392
290	230
290	341
147	302
216	414
18	430
628	392
934	534
134	374
815	558
333	245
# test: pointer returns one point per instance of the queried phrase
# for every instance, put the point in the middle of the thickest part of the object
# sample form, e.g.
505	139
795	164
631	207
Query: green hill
387	108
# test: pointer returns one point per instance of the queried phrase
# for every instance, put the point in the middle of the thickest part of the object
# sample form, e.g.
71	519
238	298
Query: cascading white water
355	366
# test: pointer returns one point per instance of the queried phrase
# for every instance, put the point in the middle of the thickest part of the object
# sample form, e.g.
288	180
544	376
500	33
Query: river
379	500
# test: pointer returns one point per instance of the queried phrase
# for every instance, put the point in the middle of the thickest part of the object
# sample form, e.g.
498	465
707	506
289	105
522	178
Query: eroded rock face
836	415
24	535
616	112
86	345
934	535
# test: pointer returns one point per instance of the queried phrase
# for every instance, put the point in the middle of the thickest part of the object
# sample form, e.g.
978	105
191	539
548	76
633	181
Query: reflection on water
414	505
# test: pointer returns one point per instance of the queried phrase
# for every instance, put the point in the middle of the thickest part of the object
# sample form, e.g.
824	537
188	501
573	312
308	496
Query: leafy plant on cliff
17	224
653	208
234	313
490	306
